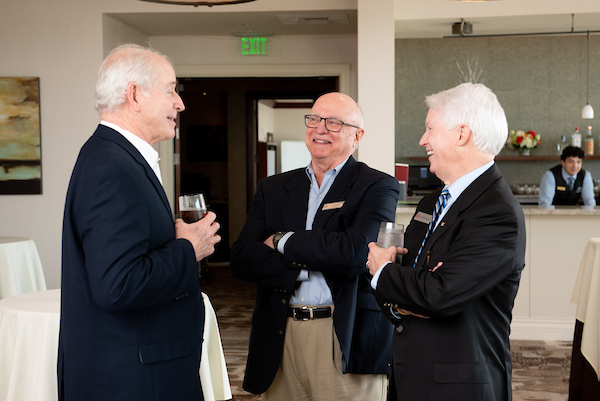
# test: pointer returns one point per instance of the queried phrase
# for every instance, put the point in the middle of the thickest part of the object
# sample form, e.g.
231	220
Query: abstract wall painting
20	136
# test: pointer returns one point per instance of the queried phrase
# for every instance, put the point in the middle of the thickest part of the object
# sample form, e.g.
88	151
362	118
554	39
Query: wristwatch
276	237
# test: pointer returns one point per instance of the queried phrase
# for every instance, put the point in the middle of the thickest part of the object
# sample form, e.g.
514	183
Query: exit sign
253	46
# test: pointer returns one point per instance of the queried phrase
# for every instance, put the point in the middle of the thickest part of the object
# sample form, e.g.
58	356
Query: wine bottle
576	138
589	142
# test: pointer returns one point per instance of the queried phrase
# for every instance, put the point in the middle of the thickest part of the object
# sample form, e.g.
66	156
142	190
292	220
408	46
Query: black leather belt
307	313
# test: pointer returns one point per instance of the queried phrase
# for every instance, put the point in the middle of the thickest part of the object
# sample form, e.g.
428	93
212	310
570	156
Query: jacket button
280	332
399	328
283	301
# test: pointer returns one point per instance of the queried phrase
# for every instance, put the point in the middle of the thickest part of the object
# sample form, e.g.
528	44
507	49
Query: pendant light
197	3
588	112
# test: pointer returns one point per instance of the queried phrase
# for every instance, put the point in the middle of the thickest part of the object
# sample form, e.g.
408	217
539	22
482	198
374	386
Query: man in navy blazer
452	296
317	331
131	309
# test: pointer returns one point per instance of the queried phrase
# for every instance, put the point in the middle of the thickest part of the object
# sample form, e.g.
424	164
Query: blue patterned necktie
571	183
439	206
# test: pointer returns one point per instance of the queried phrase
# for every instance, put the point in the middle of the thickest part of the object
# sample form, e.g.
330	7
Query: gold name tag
333	205
423	217
561	188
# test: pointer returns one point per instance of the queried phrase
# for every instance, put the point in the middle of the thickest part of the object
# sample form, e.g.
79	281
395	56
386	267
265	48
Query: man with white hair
131	309
452	296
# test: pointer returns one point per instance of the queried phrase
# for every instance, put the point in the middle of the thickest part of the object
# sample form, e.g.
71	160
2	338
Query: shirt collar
310	172
148	152
566	175
458	186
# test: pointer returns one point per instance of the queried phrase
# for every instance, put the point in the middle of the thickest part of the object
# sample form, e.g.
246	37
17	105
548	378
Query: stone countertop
532	210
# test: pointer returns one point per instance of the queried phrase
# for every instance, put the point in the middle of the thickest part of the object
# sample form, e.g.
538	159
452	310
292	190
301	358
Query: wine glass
192	207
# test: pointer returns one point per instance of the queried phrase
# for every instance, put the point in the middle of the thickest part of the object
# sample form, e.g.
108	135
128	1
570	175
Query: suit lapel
464	201
112	135
297	199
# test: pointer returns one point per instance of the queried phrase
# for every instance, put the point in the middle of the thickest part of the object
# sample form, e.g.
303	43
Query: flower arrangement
521	140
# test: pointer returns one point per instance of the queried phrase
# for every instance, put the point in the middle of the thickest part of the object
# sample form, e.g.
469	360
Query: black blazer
336	246
462	352
131	311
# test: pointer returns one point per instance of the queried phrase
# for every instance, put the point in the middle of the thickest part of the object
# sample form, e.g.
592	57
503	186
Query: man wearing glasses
317	331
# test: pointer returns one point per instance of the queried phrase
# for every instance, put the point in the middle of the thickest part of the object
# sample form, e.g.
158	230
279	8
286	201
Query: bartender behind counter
567	183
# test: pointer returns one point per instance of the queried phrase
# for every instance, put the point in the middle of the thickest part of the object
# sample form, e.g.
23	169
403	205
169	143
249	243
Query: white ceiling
226	23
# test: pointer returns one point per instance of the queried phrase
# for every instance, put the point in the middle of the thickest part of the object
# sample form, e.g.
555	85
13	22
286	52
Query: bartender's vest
562	194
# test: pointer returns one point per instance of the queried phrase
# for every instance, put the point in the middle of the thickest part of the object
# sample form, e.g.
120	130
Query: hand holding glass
192	207
391	234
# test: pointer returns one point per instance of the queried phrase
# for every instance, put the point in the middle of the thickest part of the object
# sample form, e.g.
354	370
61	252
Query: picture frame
20	136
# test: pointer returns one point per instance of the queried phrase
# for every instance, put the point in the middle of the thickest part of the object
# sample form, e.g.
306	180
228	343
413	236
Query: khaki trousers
311	368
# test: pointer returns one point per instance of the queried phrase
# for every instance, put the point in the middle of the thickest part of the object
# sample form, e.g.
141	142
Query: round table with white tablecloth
20	267
29	326
584	382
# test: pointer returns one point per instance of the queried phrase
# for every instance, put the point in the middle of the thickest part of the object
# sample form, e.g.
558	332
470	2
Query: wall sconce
196	3
588	112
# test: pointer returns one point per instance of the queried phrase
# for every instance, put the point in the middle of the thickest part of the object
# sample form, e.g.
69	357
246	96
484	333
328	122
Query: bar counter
556	240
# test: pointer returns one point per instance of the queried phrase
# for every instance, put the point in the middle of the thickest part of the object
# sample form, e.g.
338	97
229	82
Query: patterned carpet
540	369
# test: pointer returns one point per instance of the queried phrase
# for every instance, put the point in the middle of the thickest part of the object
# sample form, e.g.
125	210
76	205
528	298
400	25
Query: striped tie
439	206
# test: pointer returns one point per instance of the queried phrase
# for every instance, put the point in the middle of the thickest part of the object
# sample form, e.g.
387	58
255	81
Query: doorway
219	139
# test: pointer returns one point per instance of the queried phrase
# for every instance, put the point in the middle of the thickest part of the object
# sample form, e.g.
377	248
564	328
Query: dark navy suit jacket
462	352
336	246
131	311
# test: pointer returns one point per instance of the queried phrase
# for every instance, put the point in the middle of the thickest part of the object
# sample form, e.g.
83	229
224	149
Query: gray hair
478	107
123	65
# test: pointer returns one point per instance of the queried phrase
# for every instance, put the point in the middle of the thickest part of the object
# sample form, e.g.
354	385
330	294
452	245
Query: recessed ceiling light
313	19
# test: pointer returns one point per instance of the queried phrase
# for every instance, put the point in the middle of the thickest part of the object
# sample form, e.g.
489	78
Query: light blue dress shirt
314	290
456	189
548	188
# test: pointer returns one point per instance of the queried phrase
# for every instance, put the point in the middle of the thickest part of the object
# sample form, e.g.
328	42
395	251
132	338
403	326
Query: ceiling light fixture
196	3
251	34
587	112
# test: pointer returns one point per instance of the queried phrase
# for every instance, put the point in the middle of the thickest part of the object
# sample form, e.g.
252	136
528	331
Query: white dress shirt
148	152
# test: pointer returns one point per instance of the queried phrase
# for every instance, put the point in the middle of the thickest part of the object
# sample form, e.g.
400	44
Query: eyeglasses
332	124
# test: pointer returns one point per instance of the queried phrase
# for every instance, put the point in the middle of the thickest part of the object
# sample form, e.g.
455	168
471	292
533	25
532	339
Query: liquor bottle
576	138
561	145
589	142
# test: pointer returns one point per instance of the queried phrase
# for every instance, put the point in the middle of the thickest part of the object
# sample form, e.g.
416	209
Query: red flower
519	140
531	134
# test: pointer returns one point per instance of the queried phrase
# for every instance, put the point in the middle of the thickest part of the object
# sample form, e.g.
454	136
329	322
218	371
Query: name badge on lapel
559	188
333	205
423	217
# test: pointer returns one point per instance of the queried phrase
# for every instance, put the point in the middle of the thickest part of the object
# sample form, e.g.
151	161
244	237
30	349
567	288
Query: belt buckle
303	318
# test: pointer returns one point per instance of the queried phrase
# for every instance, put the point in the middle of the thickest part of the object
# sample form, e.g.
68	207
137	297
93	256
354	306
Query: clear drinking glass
391	234
192	207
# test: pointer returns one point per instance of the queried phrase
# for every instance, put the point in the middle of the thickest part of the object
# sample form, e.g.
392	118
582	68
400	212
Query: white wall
376	97
266	121
60	42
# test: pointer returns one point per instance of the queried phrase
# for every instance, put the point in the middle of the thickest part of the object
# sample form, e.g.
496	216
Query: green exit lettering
253	46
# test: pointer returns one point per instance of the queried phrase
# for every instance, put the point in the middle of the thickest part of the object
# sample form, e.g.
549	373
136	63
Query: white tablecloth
29	326
20	267
212	364
586	296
